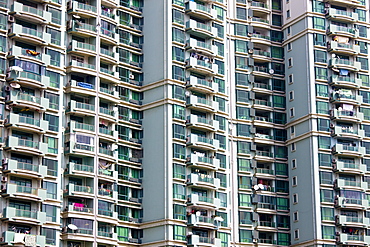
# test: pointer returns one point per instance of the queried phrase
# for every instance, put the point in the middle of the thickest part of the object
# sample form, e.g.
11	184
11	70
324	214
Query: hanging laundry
343	72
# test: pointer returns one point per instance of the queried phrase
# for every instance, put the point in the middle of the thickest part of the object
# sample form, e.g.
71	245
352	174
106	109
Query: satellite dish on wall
15	85
72	227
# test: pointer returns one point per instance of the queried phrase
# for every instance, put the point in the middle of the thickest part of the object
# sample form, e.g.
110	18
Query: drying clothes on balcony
347	107
85	85
343	72
18	237
33	53
30	240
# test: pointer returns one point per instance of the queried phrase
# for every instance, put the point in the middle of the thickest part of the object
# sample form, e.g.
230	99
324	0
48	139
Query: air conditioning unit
69	5
250	51
332	125
255	240
7	88
132	77
7	98
10	18
69	24
250	34
3	187
4	179
8	107
4	161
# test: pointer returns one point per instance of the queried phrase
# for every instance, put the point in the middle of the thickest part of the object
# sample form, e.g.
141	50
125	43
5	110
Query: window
276	36
179	151
361	14
294	181
328	232
179	212
322	90
221	122
322	107
241	13
326	178
293	147
178	92
327	196
296	234
178	54
288	30
290	79
55	35
242	96
51	189
241	46
319	39
245	236
244	200
178	35
319	23
318	6
365	80
220	12
51	212
53	121
324	142
276	20
362	31
221	67
243	130
364	63
221	103
244	182
177	16
221	85
220	30
52	144
178	73
178	131
241	79
222	140
291	95
50	235
242	112
325	160
283	238
277	52
282	203
295	198
179	191
320	56
323	124
288	13
291	112
53	101
241	62
244	165
179	233
278	101
244	147
327	214
294	164
289	46
241	30
278	85
295	216
52	166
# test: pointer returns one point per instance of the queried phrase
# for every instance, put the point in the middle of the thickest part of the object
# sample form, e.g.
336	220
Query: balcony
260	22
11	239
26	123
342	31
350	116
198	103
261	39
349	167
196	240
82	9
345	81
351	185
341	15
109	238
343	48
30	14
109	194
264	155
262	104
202	30
108	174
266	225
108	154
80	108
109	36
202	221
260	7
202	180
265	207
83	170
108	135
346	97
261	71
199	46
347	132
25	193
79	210
25	169
82	48
201	66
203	162
109	75
262	56
28	79
79	149
351	203
200	11
109	55
108	114
203	201
78	87
353	240
348	150
17	52
24	216
344	220
79	67
201	85
199	122
29	35
352	3
79	190
74	127
109	94
202	142
84	29
26	146
344	64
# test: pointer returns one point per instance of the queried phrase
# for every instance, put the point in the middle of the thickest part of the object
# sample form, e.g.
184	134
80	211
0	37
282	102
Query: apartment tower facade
203	123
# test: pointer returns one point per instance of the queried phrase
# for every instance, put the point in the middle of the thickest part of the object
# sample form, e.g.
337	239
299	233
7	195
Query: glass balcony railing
26	189
84	126
107	52
32	32
265	171
106	111
86	46
105	151
83	168
107	71
262	85
27	166
259	36
261	69
29	120
84	65
86	7
259	4
105	131
84	147
264	153
262	102
28	143
82	188
29	75
257	19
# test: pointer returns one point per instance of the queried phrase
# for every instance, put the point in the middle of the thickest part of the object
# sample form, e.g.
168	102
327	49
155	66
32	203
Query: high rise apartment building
201	123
